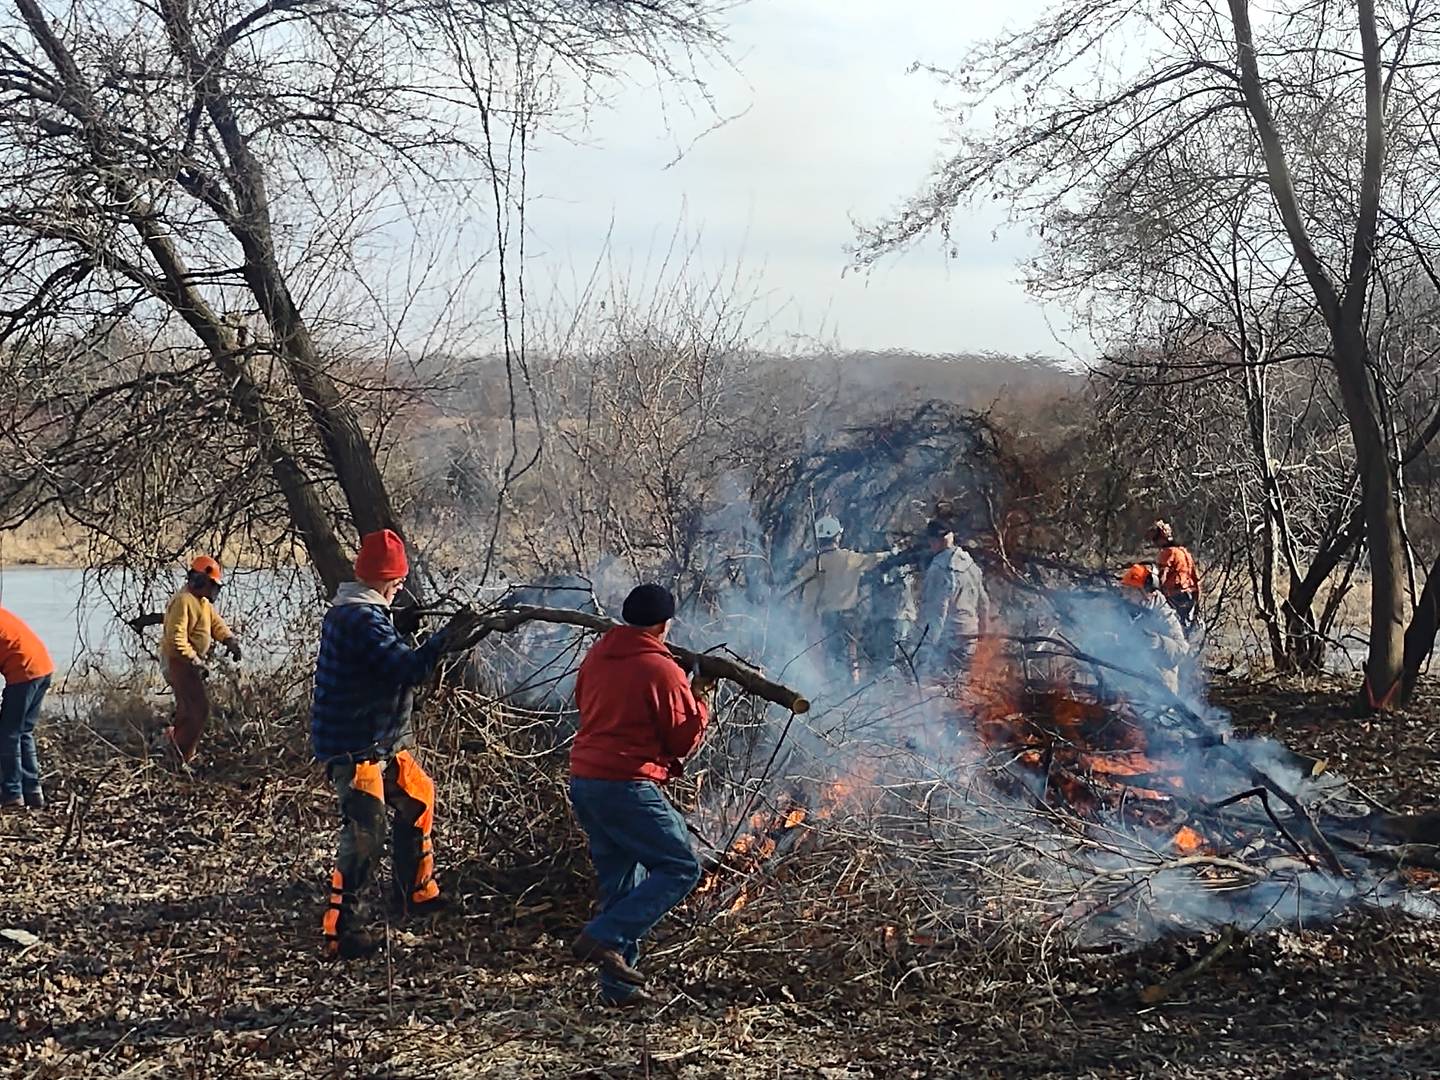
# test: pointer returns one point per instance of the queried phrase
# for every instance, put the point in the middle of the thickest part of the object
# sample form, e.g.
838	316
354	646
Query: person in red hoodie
640	717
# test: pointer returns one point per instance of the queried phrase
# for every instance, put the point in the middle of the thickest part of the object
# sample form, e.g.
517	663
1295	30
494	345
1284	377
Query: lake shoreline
45	542
82	614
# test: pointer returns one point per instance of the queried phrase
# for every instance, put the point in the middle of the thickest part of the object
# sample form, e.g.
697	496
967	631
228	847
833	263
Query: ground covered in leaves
176	922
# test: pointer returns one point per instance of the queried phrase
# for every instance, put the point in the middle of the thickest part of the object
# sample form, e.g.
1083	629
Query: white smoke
1113	873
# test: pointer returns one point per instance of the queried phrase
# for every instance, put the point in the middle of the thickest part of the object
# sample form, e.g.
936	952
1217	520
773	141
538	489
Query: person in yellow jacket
192	630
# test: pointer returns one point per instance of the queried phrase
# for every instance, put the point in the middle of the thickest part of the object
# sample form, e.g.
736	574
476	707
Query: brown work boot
588	949
353	945
426	909
16	803
35	800
637	1000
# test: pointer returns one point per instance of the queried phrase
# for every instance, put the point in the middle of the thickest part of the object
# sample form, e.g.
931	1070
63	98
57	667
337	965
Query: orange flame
844	789
1188	841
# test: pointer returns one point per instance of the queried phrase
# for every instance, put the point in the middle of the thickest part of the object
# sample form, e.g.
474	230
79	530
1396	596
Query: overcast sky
828	128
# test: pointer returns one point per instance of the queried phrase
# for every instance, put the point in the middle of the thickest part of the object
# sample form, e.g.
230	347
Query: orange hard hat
206	566
1137	577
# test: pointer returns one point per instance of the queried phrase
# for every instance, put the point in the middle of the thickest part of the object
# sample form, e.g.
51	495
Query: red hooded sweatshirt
638	718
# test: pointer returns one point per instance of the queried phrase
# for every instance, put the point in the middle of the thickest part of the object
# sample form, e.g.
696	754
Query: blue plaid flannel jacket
365	677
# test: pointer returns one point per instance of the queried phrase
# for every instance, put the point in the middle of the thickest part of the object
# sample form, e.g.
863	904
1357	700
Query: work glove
702	686
232	646
457	634
406	618
200	667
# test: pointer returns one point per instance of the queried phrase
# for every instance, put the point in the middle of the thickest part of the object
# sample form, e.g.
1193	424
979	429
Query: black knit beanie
648	605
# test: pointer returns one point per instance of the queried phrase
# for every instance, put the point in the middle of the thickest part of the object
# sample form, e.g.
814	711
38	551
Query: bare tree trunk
1265	588
1345	317
1385	663
307	513
1420	635
1273	528
346	446
1305	634
176	288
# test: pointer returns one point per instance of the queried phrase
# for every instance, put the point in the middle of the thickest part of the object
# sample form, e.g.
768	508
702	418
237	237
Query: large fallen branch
505	620
1153	995
747	678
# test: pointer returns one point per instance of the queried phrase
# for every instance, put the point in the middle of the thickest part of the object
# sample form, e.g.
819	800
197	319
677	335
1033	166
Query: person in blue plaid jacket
365	679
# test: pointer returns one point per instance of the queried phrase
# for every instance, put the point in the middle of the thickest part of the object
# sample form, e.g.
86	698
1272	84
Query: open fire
777	829
1153	817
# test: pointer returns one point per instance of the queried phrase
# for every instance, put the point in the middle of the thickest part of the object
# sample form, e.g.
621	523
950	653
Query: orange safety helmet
1161	533
1139	577
205	566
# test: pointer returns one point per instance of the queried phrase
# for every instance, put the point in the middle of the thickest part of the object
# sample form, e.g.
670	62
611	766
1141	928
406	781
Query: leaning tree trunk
175	286
1420	635
307	513
248	219
1344	309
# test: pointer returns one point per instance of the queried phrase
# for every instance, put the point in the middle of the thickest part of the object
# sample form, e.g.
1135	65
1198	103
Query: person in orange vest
1179	579
1157	620
192	630
26	666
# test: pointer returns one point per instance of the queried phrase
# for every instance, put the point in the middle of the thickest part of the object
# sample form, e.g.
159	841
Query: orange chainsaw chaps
330	926
416	783
370	779
424	885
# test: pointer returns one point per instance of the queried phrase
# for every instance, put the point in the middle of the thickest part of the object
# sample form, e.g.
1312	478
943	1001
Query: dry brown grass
47	541
44	541
177	922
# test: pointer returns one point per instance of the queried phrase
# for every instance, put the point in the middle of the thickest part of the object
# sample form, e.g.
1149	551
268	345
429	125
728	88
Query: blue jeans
643	862
19	763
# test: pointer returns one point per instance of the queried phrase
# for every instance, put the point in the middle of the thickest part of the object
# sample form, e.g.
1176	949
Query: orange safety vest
1177	571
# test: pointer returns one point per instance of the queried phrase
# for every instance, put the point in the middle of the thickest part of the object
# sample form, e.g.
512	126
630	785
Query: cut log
744	676
506	620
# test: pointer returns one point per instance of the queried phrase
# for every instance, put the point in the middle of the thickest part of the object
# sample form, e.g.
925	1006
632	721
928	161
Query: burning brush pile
1052	795
1066	787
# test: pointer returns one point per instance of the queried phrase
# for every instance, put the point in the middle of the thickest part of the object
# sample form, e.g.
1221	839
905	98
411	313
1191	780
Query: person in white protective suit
953	608
1157	621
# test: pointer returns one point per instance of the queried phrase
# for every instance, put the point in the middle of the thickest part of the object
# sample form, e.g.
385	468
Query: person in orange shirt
192	629
1179	580
26	666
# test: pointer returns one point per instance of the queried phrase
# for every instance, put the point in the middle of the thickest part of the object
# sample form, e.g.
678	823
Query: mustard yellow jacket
192	625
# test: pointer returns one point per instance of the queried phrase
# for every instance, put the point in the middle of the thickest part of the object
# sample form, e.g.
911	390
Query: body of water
80	614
